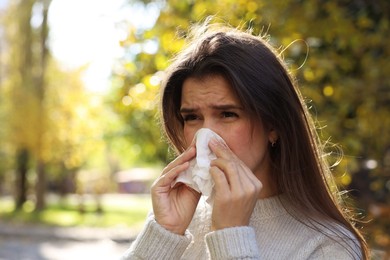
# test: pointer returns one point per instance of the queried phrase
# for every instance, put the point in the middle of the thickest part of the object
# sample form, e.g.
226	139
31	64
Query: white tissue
197	175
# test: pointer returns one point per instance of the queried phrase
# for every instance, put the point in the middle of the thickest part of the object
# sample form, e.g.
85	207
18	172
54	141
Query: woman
273	195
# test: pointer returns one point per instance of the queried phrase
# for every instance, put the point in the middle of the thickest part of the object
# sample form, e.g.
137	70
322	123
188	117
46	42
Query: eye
189	117
228	114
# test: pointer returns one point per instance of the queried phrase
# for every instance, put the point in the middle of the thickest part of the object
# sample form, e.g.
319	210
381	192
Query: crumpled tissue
197	175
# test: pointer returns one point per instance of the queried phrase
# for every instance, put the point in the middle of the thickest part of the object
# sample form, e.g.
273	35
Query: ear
273	136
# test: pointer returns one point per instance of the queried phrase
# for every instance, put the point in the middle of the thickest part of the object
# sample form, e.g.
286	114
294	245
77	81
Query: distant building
137	180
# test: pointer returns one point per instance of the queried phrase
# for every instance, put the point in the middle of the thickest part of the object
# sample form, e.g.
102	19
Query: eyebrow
216	107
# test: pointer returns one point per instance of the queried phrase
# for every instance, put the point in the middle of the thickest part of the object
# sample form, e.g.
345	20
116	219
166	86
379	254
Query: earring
273	144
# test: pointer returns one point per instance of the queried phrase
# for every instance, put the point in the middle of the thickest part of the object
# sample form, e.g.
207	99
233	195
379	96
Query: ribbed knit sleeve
272	234
233	243
155	242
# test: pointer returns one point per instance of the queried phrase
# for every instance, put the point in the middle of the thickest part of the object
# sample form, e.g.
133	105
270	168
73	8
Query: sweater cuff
155	242
233	243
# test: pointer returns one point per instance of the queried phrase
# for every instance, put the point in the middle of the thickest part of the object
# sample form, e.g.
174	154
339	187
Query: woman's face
209	102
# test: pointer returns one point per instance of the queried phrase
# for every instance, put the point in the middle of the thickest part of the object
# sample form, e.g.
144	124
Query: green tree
20	77
74	130
25	85
344	79
41	92
49	120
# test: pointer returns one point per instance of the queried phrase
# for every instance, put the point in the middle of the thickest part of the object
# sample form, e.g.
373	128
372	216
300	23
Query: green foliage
344	79
128	212
45	109
337	49
74	127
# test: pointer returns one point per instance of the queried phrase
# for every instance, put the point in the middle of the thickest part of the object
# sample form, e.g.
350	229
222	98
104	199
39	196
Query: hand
236	188
174	207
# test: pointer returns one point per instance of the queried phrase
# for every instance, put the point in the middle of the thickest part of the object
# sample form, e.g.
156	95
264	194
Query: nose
211	124
208	123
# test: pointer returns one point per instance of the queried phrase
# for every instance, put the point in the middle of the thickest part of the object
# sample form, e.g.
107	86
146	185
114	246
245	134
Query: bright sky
88	32
3	3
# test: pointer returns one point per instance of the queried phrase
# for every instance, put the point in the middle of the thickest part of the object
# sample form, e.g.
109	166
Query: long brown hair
269	93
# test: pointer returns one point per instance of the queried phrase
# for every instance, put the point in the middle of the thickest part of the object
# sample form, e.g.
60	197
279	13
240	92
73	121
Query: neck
269	188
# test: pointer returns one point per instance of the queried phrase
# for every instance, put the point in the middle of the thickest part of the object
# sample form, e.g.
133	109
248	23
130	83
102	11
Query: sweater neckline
270	207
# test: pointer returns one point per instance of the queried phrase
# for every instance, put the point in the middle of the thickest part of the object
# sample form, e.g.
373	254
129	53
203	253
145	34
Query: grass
117	210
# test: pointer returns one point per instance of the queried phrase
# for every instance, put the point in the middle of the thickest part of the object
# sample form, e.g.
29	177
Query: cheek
238	141
189	135
250	149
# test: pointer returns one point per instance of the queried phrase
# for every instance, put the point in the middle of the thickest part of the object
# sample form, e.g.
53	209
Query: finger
250	182
238	174
230	170
182	158
220	181
220	149
167	178
227	161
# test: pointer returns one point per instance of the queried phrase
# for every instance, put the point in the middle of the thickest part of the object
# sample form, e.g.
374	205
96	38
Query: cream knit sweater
272	234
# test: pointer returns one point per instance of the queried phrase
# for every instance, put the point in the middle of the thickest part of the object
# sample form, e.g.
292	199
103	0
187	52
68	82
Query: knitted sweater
272	234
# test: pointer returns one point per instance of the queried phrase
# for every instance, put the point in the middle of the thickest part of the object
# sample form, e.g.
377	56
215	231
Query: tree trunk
21	178
20	65
40	187
40	190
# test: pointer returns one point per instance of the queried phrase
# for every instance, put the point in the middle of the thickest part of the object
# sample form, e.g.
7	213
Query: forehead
208	89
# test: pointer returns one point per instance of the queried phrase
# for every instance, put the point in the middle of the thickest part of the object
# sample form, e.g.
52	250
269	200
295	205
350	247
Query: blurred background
80	141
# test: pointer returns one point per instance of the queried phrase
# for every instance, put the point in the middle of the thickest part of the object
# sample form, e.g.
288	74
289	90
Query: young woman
274	198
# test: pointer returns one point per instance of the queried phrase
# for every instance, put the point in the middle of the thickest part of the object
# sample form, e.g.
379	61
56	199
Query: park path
36	243
32	242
